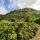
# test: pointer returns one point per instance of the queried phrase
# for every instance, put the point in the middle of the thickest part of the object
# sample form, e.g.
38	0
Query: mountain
21	14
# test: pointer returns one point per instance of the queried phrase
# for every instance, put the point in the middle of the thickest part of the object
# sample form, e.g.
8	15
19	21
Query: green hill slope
19	24
21	14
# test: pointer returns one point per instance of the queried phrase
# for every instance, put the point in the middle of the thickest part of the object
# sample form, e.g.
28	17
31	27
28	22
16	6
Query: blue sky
10	5
7	5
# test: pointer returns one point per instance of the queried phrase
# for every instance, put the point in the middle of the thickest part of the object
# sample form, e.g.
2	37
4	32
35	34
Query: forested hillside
21	24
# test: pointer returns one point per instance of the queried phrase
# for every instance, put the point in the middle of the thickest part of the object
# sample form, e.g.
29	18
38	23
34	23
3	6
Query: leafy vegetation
20	24
7	30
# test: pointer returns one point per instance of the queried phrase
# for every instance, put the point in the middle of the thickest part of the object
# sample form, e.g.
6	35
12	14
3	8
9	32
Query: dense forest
21	24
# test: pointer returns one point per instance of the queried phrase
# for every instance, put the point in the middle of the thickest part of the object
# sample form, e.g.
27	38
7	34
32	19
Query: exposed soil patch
37	37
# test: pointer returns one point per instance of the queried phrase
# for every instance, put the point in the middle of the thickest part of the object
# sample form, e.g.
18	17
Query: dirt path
37	37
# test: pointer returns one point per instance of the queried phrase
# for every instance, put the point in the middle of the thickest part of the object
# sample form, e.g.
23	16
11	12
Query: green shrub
18	30
26	30
7	31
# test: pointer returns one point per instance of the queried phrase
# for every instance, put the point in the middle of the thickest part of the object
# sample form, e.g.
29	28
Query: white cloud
2	10
23	2
35	4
